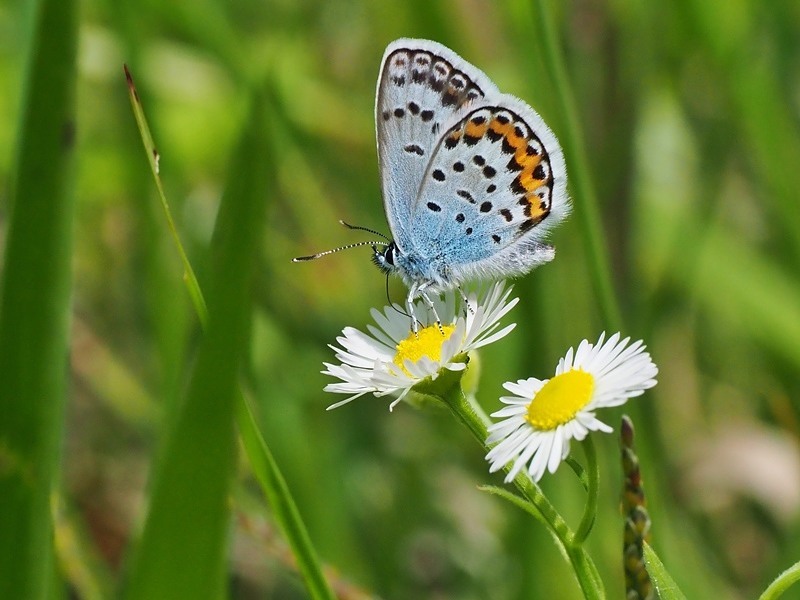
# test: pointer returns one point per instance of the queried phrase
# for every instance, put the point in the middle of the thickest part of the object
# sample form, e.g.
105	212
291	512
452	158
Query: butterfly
472	179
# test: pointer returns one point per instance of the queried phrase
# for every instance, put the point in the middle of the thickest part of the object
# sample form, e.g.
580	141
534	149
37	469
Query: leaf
665	585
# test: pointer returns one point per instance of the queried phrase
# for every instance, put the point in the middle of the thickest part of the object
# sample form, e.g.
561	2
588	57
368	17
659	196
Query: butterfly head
386	258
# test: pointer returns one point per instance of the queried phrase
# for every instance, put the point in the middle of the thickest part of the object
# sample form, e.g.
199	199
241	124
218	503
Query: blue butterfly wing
422	86
495	184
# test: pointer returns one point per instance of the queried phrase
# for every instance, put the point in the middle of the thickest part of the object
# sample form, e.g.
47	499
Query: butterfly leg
421	292
465	300
418	291
412	294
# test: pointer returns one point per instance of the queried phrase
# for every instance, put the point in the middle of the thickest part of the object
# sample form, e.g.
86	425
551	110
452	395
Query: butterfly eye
388	254
384	258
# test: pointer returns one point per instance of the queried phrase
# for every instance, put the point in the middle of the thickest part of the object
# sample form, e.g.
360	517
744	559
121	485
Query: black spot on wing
466	195
449	99
437	85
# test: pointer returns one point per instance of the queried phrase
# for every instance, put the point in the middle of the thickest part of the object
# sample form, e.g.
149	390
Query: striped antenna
348	246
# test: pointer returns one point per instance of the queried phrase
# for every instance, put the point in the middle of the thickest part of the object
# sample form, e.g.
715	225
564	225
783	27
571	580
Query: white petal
541	458
343	402
554	458
524	388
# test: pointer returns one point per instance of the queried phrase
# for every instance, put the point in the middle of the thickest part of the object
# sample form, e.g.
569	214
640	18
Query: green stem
588	214
590	511
153	157
447	388
781	583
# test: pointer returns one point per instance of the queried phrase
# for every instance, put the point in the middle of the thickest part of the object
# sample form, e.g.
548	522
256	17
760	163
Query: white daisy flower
543	416
391	359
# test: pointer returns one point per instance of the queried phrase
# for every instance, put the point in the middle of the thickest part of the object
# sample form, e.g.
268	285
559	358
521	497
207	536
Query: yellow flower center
560	399
427	342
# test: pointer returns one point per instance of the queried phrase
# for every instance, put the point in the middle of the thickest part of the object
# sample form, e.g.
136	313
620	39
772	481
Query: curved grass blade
153	159
264	467
183	548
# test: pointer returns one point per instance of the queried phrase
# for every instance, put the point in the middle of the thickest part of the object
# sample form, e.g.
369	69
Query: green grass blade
153	159
281	502
183	549
586	209
666	586
35	304
261	460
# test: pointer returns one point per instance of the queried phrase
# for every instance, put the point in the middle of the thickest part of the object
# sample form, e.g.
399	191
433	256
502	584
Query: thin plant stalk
586	209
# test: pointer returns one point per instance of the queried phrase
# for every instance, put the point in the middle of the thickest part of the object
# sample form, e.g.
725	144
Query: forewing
495	184
422	85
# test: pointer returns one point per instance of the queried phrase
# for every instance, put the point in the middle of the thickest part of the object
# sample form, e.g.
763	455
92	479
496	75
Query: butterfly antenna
394	306
339	249
367	229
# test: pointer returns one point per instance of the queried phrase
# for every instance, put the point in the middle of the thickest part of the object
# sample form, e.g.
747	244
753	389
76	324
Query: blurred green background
691	119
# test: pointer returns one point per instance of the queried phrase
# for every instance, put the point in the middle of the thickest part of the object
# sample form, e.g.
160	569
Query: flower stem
782	583
447	388
590	511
